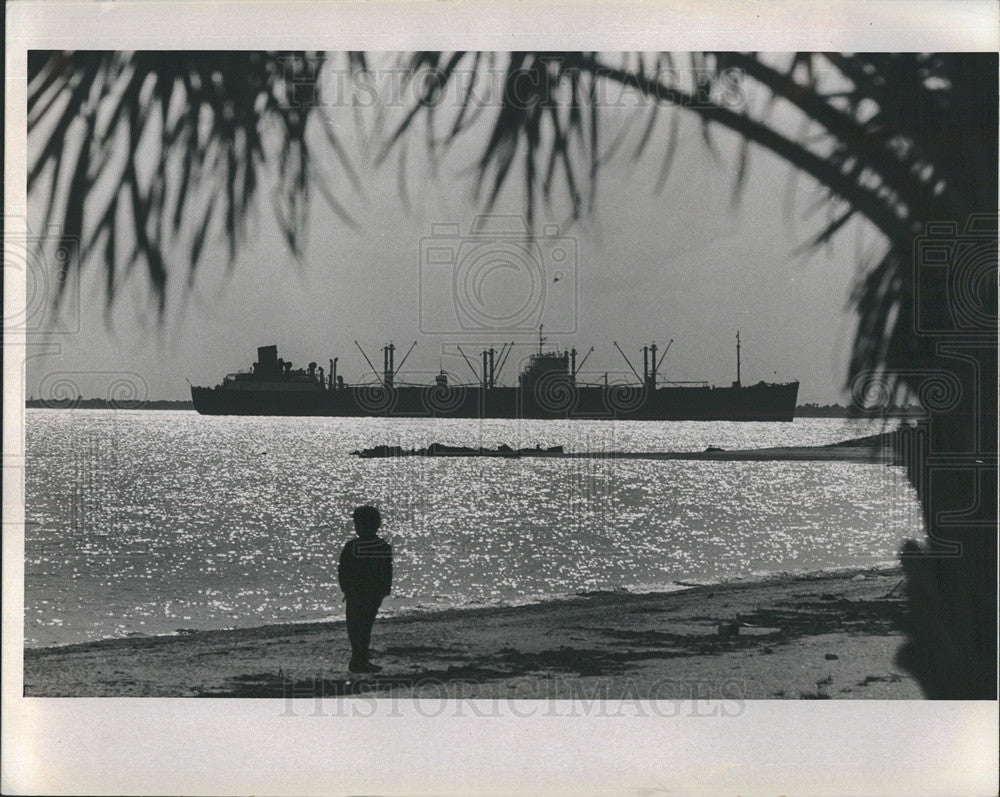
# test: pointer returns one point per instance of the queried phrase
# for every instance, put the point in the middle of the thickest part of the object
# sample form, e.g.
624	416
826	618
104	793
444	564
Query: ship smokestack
492	368
572	364
267	359
485	372
652	365
645	364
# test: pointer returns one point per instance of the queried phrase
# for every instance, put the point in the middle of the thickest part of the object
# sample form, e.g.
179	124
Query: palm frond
214	114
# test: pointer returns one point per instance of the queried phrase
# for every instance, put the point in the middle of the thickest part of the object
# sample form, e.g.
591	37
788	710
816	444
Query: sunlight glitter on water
148	522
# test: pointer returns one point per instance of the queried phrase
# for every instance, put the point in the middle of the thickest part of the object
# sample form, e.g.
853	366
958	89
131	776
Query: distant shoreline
105	404
803	411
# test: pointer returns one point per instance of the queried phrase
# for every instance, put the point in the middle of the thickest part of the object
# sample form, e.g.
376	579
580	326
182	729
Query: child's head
366	520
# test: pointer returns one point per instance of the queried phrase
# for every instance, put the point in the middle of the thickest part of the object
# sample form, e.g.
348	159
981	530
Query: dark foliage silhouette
164	145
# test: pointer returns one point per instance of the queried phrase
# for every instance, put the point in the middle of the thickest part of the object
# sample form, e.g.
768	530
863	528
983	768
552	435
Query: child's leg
356	622
371	610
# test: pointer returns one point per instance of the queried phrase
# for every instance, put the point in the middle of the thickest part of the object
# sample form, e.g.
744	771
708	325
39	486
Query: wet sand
825	635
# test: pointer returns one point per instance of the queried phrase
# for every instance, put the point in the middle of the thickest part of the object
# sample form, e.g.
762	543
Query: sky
686	264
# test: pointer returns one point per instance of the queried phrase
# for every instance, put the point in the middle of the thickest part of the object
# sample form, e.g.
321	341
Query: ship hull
560	400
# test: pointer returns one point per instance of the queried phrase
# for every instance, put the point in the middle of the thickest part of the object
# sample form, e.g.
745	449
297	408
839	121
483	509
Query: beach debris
859	577
891	678
442	450
713	448
831	657
729	629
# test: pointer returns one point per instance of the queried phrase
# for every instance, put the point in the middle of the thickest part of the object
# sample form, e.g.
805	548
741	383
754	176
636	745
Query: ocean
156	522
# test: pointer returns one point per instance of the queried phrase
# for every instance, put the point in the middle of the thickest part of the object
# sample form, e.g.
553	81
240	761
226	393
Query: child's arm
345	569
387	571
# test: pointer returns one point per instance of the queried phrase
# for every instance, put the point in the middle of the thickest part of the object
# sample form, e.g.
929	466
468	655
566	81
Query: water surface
153	521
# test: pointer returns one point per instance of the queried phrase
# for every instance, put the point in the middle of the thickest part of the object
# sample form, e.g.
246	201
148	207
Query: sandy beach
821	635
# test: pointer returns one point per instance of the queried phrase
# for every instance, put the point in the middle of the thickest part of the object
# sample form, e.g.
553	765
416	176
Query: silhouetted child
365	576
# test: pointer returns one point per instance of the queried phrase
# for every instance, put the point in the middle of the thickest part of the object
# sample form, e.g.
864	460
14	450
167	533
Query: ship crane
504	354
500	357
468	363
579	367
628	362
370	364
392	370
403	361
663	356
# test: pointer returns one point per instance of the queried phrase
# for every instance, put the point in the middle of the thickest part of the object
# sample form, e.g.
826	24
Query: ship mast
738	358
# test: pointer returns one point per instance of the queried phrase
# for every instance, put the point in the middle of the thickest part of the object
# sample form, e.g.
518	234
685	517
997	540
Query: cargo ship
549	386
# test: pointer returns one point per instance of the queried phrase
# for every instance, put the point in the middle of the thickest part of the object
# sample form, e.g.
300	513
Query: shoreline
820	634
434	612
